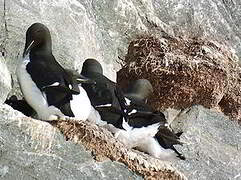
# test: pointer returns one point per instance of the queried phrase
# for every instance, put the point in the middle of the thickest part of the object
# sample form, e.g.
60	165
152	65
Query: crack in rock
3	44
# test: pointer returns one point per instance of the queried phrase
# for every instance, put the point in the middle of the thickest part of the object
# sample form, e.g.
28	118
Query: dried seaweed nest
185	72
102	144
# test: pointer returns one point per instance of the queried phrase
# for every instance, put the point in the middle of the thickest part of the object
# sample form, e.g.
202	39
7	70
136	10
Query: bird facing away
45	84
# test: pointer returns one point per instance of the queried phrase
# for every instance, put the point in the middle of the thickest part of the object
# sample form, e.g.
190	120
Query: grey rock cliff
102	29
5	80
80	29
212	145
31	149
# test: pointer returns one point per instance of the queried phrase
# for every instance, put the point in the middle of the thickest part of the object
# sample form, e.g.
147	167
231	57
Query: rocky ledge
33	149
197	71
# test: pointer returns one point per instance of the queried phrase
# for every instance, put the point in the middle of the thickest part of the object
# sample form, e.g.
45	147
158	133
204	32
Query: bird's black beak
28	48
83	79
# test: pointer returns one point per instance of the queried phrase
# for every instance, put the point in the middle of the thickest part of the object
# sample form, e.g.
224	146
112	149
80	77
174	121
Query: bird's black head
91	65
37	36
140	89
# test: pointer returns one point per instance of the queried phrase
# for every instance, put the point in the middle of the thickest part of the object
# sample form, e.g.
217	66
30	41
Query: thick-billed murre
45	84
104	95
146	129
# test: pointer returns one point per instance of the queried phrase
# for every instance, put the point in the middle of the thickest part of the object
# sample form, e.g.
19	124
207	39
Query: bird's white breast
32	94
80	105
152	147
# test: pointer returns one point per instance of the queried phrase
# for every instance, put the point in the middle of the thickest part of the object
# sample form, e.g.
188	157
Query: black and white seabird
45	84
105	95
146	129
80	104
132	121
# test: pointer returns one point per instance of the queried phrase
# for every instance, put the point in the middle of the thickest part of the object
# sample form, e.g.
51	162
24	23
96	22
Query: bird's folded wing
45	77
168	137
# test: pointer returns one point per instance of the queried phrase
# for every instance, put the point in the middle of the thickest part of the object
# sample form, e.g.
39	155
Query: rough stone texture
3	35
103	30
32	149
185	72
5	80
213	18
213	145
102	144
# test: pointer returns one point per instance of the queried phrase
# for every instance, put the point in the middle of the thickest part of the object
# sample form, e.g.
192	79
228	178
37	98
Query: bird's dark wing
46	72
167	138
100	93
106	97
141	114
60	99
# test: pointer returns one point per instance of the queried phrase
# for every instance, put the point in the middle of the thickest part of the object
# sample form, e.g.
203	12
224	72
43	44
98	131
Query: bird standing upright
105	95
45	84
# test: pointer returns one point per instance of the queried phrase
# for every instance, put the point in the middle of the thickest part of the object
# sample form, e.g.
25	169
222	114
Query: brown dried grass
185	72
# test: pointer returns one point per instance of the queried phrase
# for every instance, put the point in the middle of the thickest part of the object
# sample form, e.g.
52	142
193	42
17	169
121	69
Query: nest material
185	72
102	144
